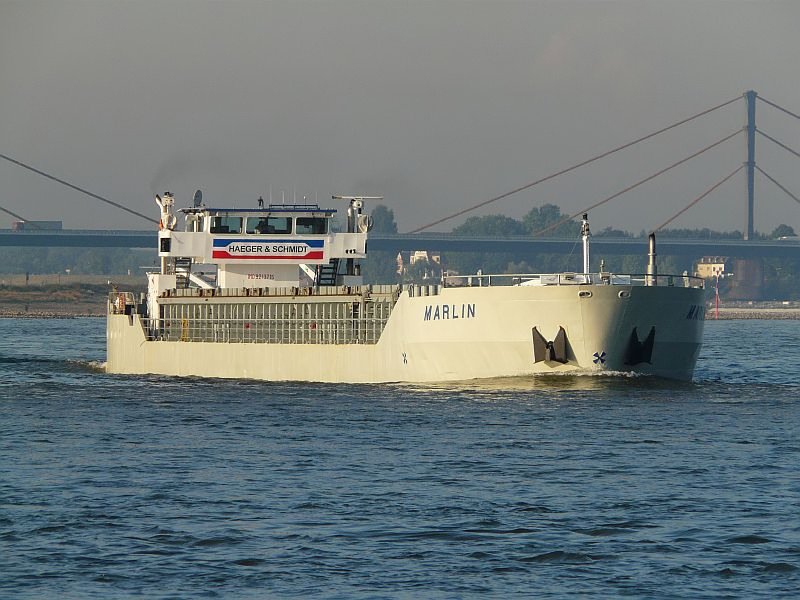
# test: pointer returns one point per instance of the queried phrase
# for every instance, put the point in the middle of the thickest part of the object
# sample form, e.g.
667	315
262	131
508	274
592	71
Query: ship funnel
652	269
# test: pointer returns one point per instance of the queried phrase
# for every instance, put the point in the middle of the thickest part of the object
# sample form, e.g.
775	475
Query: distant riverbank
65	296
60	295
755	313
9	314
52	304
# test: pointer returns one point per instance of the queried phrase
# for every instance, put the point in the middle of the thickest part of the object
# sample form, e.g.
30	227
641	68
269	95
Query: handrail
121	303
547	279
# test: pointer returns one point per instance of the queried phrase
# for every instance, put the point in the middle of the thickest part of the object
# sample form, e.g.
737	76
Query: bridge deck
438	241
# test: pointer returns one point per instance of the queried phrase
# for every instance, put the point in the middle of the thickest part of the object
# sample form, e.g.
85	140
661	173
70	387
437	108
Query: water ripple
120	486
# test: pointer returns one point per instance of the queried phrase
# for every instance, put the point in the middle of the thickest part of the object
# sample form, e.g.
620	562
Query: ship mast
357	222
585	234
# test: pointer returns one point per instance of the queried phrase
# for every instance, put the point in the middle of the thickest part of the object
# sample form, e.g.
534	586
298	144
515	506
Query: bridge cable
788	112
75	187
788	193
637	184
696	200
774	141
573	167
15	215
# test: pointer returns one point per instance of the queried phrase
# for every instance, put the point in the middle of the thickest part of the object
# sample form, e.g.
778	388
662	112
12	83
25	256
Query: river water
119	486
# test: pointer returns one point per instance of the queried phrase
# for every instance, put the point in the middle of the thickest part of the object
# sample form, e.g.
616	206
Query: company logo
272	250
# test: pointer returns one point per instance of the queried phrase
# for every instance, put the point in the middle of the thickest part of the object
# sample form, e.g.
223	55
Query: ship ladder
183	267
328	273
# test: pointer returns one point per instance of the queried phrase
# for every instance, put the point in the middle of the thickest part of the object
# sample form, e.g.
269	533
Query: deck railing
539	279
121	303
295	320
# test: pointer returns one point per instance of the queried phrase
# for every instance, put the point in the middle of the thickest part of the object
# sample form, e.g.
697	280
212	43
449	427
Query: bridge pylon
750	97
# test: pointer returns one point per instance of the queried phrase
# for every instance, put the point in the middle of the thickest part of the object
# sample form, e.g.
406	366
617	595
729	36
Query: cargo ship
276	293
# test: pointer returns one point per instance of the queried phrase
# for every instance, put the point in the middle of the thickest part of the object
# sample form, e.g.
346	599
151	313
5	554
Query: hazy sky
435	104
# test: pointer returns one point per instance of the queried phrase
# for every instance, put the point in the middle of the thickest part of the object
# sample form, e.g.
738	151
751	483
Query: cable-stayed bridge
538	241
387	242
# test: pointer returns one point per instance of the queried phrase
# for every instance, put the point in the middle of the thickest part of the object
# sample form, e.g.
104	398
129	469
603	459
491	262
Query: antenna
357	197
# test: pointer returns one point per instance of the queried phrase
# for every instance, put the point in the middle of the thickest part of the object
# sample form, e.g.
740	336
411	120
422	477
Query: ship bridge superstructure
277	246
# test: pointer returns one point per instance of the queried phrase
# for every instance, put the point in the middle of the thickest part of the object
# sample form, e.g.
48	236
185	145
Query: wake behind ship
274	293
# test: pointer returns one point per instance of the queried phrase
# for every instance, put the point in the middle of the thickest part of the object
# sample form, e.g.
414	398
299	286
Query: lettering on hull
449	312
696	313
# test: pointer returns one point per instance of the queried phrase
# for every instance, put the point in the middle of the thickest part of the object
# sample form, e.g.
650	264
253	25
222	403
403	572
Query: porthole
624	294
585	294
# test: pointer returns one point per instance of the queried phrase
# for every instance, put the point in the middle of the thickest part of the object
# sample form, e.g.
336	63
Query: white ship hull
461	333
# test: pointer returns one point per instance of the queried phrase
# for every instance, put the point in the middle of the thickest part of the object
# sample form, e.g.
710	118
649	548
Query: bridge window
257	225
279	225
312	225
226	224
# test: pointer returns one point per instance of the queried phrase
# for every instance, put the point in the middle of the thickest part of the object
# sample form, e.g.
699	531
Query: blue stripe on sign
221	243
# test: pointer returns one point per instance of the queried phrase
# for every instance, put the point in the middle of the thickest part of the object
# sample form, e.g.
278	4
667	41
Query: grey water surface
159	487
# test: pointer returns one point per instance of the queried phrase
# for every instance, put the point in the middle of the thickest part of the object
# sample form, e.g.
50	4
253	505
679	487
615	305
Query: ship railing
548	279
286	323
244	331
121	303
